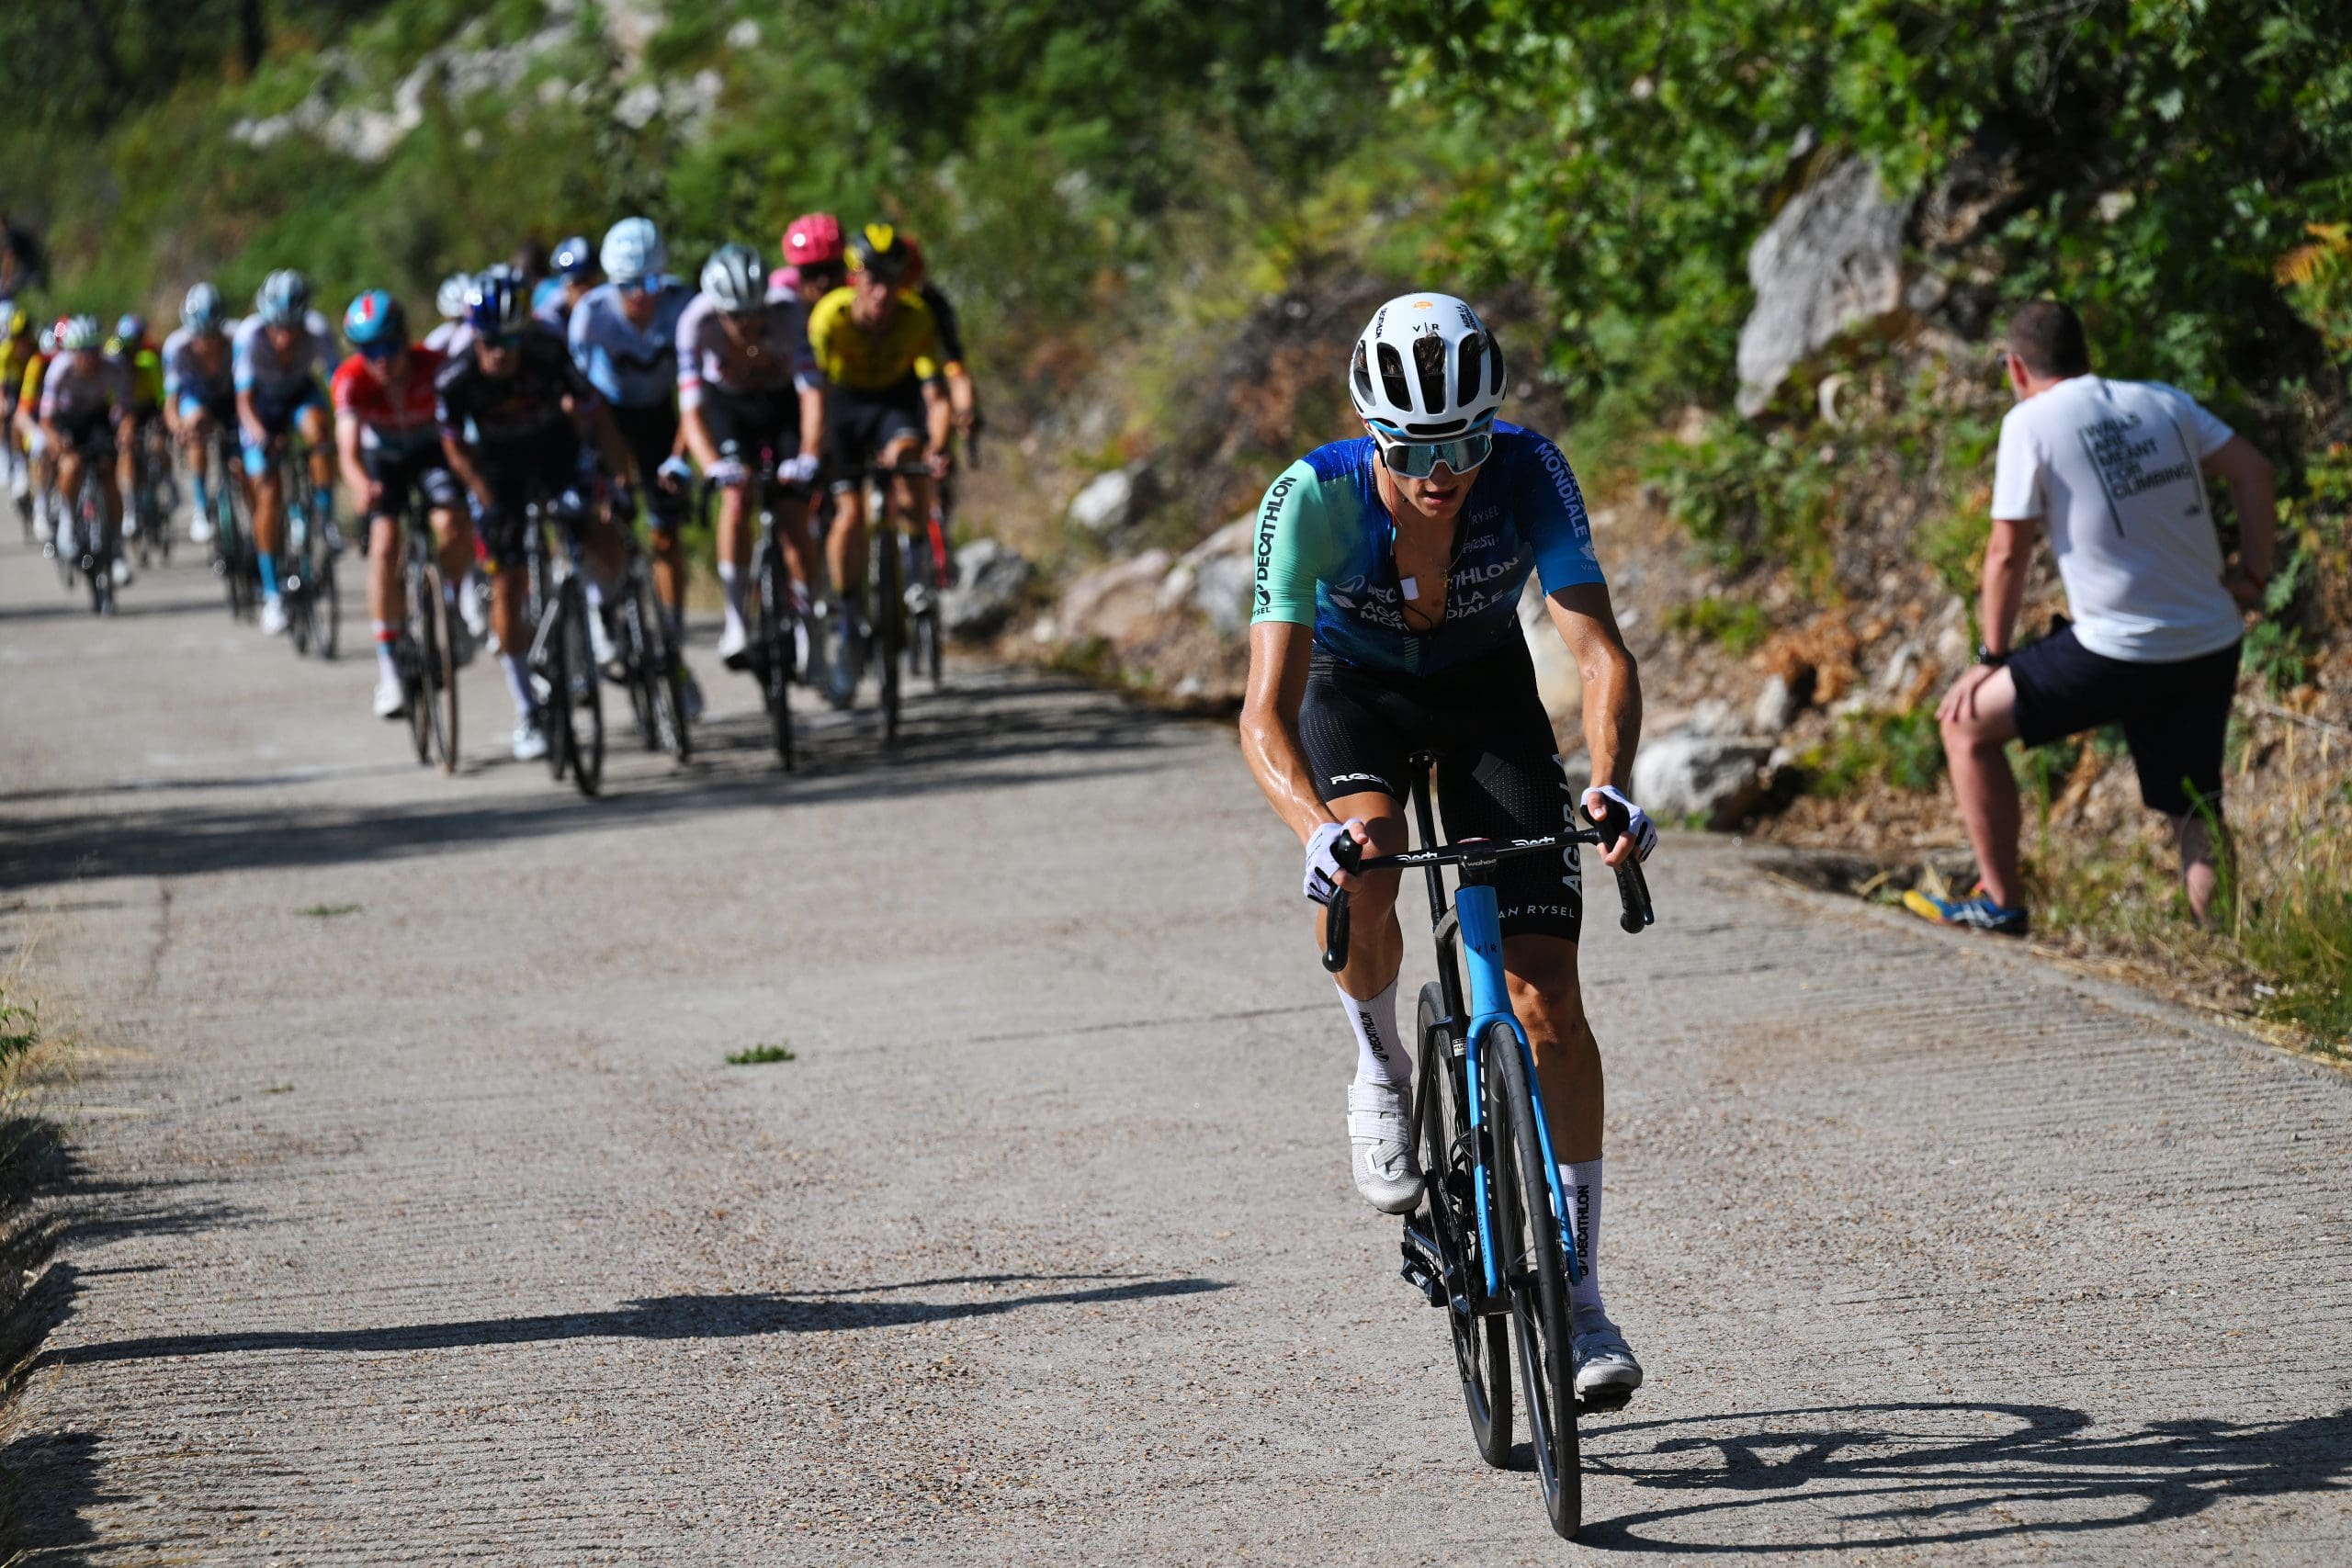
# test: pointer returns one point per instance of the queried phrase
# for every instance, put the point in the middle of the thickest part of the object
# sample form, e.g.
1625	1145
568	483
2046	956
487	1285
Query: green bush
1902	750
1735	626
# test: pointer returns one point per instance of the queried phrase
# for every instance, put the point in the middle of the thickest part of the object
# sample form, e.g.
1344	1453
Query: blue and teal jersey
1327	553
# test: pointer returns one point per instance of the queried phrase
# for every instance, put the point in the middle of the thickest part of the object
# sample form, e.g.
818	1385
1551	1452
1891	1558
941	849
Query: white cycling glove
1322	866
1637	821
726	473
675	469
799	470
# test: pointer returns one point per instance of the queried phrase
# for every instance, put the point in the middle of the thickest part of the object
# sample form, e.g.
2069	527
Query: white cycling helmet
81	333
735	279
1427	368
284	298
450	299
633	250
201	312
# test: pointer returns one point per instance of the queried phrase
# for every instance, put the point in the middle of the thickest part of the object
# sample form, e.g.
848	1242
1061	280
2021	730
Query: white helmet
450	299
735	279
633	250
1427	368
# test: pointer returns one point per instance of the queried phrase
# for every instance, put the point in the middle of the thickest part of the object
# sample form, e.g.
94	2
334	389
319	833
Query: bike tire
1481	1344
637	669
326	604
1533	1268
583	695
775	651
552	685
441	669
416	680
670	726
889	612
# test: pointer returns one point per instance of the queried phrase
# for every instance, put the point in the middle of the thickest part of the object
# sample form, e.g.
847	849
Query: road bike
307	581
427	651
154	493
84	548
906	577
785	637
1490	1242
234	561
649	667
562	660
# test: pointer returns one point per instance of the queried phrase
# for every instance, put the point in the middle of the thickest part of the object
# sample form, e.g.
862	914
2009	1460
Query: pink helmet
812	239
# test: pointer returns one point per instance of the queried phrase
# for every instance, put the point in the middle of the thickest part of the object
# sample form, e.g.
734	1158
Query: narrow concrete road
413	1213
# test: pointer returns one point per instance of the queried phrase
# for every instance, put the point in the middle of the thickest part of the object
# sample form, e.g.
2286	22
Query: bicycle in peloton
1490	1242
646	656
428	649
564	678
154	494
307	578
905	579
82	547
234	561
785	637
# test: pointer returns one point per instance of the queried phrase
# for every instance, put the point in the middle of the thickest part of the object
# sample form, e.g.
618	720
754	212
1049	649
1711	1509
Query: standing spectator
21	263
2114	471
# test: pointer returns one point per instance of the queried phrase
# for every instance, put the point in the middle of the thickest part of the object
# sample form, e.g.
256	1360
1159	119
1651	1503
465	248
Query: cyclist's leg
852	439
68	468
387	591
264	481
502	552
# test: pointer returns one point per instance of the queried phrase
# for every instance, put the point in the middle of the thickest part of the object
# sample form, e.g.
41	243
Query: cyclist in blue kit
1385	622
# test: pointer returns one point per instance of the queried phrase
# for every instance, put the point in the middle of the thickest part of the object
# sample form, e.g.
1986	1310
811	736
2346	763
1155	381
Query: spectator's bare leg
1984	722
2202	848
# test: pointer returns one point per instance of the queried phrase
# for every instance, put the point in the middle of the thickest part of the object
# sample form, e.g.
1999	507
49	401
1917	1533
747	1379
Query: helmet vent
1392	377
1429	367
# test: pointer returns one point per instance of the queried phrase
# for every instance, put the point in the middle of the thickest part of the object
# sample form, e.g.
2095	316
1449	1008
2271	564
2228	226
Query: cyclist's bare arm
939	417
1613	689
1279	652
696	437
812	418
461	463
619	461
355	472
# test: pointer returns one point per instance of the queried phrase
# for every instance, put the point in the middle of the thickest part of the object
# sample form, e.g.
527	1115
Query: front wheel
1534	1269
890	612
776	650
583	693
1481	1344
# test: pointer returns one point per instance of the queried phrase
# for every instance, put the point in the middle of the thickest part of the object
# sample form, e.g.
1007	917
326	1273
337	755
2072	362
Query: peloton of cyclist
388	443
281	352
624	335
746	387
1385	622
86	413
575	274
512	409
877	349
201	394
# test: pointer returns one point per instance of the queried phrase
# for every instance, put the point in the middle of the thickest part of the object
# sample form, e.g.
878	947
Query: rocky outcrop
1715	780
989	580
1831	260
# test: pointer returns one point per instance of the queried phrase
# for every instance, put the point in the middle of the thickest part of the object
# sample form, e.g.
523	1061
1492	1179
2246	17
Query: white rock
989	582
1676	777
1107	503
1113	600
1833	259
1776	707
638	105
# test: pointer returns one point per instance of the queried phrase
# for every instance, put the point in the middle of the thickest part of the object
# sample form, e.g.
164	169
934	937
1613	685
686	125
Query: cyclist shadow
1905	1475
723	1316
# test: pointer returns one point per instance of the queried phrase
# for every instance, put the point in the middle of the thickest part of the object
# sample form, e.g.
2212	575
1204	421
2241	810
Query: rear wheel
890	612
665	678
582	694
638	674
326	605
1534	1275
440	657
1481	1344
775	649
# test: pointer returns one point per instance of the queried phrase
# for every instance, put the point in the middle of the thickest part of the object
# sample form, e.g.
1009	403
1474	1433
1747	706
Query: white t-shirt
2112	471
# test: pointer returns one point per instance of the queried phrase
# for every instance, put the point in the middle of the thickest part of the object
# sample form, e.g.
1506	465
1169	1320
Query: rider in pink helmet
813	257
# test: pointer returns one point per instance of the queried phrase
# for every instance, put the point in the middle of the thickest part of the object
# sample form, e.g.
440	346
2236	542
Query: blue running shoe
1978	913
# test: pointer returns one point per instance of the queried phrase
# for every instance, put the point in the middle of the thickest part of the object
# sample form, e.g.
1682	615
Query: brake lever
1634	912
1348	853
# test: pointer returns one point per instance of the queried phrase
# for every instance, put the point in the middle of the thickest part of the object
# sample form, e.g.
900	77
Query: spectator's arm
2002	588
2255	495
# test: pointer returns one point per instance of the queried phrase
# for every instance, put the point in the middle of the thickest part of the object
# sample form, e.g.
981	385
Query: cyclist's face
1438	497
816	282
387	367
876	298
638	304
498	355
282	338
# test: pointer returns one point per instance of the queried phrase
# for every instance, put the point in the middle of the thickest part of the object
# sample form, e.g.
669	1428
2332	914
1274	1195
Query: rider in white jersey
200	393
283	351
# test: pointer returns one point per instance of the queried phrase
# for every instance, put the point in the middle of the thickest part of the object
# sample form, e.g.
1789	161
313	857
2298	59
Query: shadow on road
996	735
1913	1475
661	1317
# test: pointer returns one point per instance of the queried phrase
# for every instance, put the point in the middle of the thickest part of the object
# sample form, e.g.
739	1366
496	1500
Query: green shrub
1903	751
1735	626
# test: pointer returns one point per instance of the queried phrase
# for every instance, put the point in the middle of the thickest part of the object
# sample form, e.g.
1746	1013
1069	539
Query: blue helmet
375	318
131	329
575	258
633	250
499	303
200	312
284	298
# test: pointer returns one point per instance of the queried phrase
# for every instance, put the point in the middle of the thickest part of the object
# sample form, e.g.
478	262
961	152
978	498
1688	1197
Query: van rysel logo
1266	521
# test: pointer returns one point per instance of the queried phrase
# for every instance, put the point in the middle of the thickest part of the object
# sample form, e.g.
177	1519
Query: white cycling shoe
1380	1137
530	742
199	528
391	698
1607	1373
272	618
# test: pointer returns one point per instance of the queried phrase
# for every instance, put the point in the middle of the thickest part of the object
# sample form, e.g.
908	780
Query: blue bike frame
1477	918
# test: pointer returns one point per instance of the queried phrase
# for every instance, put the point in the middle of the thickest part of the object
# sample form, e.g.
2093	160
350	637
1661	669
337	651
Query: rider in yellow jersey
17	347
25	420
877	348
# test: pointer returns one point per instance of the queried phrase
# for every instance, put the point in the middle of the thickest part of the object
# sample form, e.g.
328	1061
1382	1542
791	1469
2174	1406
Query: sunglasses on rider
630	289
376	352
1419	460
501	343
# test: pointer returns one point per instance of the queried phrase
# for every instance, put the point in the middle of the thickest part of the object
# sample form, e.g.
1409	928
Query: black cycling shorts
87	433
540	467
2174	715
753	423
1499	771
860	426
651	434
402	472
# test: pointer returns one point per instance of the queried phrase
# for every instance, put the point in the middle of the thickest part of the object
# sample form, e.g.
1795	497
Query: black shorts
1499	771
651	434
544	466
752	424
859	425
414	468
87	433
2174	715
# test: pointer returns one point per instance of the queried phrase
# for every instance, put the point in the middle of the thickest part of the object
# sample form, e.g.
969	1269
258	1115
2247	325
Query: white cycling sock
1381	1056
518	682
386	665
1580	1183
731	583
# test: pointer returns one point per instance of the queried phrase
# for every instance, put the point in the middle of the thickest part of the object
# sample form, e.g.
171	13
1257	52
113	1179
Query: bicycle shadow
1907	1474
729	1316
